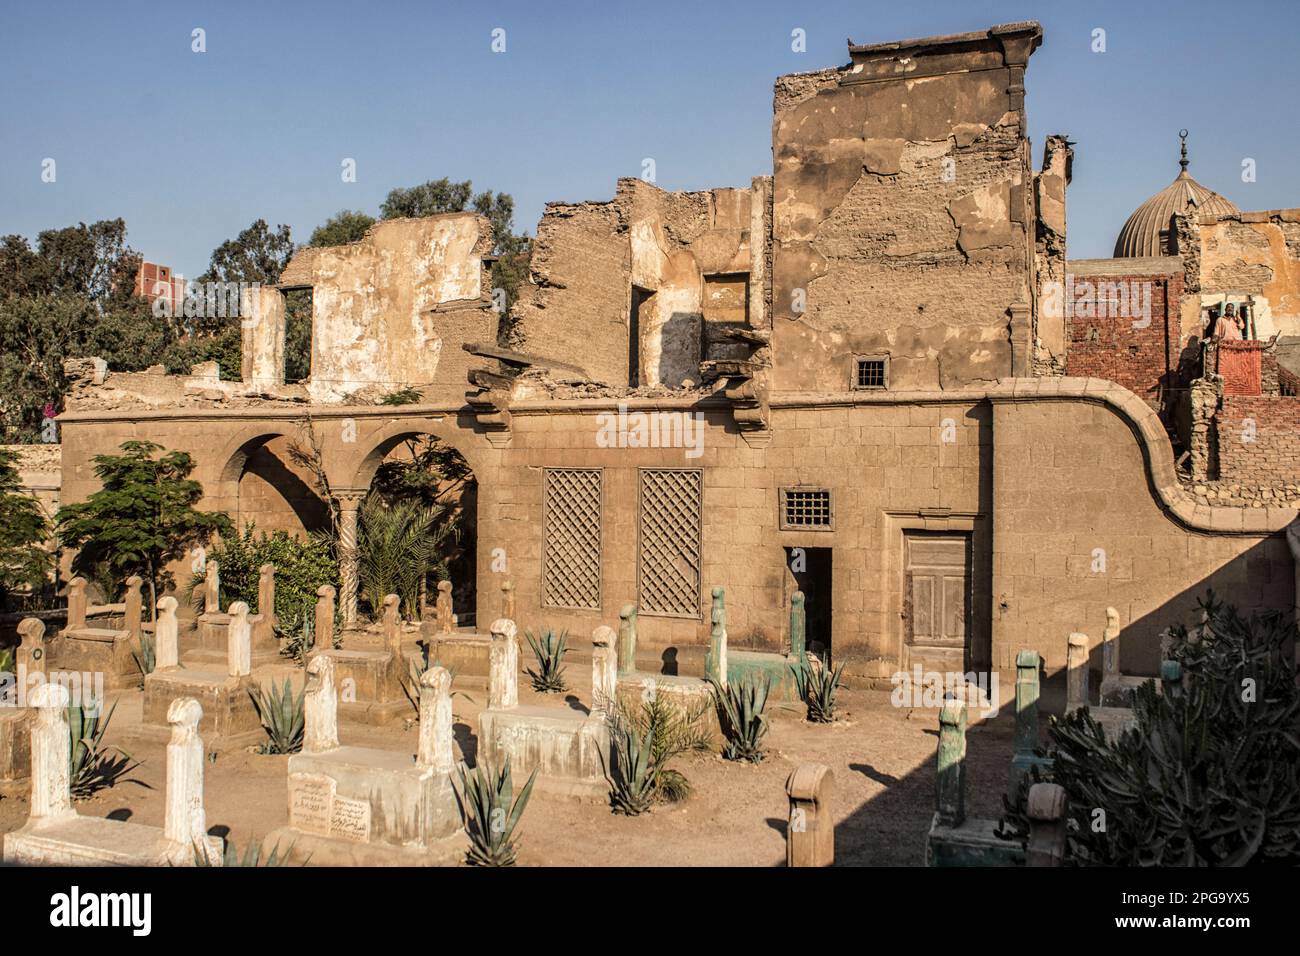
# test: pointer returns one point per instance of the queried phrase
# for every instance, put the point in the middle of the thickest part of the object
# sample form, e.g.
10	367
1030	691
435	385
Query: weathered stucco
387	308
1255	254
646	249
899	212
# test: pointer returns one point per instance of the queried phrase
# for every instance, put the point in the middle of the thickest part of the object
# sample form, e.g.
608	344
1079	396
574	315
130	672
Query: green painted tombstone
1026	736
798	630
1171	678
951	776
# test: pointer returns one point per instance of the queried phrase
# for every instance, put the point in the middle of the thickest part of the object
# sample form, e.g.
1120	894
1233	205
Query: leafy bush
549	650
646	738
301	566
817	687
740	712
1209	776
91	766
283	716
490	816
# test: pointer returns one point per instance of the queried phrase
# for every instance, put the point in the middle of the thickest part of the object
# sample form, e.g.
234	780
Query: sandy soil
882	759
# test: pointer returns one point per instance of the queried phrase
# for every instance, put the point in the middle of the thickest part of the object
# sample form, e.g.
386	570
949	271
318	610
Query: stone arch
258	482
357	473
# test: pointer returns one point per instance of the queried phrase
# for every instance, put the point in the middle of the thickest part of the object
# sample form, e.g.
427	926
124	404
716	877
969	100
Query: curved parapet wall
1156	451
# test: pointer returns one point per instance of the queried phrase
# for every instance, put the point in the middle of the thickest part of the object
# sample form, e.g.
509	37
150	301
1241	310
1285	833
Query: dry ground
882	758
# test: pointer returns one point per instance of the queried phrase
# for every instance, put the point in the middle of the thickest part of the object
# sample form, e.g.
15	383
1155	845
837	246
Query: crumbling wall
1050	336
649	250
1259	440
902	192
386	309
574	307
1251	257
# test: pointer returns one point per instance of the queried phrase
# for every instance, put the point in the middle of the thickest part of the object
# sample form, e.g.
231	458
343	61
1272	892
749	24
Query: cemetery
791	523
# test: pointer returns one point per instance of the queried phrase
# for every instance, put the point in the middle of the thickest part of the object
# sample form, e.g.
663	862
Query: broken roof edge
1031	27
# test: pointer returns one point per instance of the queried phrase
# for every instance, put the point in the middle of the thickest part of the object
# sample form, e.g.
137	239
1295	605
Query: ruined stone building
856	376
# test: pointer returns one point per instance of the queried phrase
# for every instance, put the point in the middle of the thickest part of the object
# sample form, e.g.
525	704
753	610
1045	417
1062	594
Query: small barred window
804	508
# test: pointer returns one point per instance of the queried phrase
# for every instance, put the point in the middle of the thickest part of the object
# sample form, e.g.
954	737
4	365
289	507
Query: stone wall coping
1157	451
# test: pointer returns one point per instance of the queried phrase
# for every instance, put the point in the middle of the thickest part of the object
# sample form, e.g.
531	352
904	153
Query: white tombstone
166	635
503	666
185	821
239	641
212	589
51	752
320	708
435	721
604	668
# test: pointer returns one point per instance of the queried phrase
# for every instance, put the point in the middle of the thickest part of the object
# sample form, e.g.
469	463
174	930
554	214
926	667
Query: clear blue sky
190	148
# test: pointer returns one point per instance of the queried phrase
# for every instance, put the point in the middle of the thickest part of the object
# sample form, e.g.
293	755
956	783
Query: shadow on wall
890	829
679	349
266	478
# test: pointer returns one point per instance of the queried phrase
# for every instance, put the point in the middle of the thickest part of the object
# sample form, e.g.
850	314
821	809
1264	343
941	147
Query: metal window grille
805	508
870	373
669	571
571	538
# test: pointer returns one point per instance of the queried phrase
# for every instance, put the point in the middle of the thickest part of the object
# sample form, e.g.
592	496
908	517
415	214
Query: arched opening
274	492
420	517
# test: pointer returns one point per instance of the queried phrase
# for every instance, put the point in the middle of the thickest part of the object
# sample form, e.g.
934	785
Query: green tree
142	518
24	562
399	546
343	227
71	296
258	254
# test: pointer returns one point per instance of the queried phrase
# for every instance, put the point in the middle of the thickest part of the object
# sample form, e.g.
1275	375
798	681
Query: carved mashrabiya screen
669	572
571	538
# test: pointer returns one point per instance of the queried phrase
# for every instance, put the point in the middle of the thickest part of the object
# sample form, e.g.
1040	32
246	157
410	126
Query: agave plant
549	650
631	782
92	765
648	734
252	855
399	546
282	716
297	646
740	712
817	687
490	816
147	659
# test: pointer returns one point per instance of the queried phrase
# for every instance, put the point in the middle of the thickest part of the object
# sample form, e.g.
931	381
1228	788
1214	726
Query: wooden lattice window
571	538
669	533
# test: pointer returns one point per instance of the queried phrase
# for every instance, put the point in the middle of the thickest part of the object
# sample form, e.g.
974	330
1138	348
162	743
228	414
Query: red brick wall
1241	367
1118	347
155	282
1259	439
